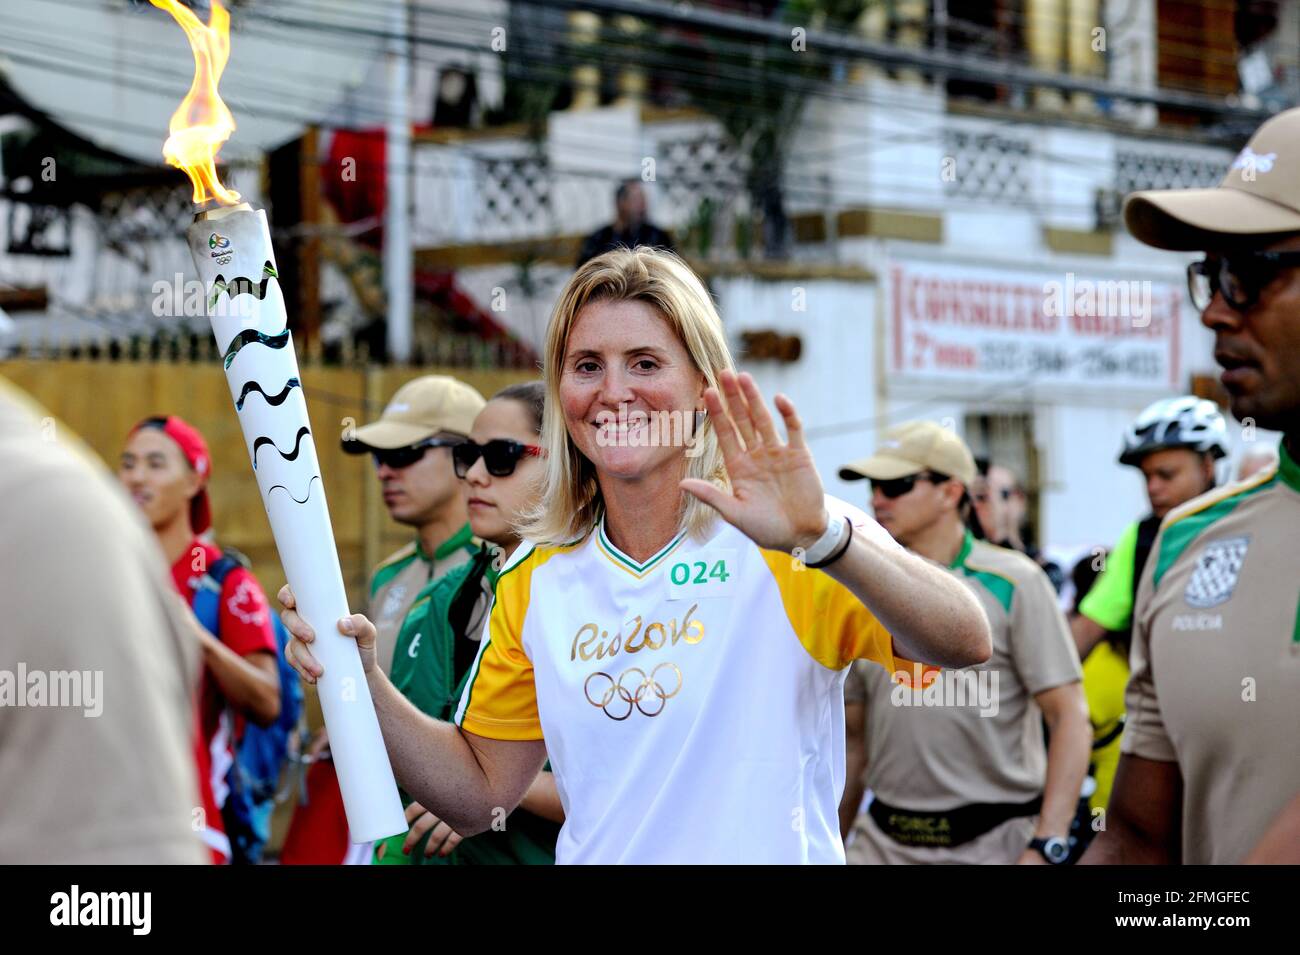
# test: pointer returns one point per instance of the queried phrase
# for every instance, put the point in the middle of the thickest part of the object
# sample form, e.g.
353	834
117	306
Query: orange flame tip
202	122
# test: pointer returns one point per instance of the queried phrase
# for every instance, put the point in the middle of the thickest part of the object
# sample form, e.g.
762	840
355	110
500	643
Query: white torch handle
232	251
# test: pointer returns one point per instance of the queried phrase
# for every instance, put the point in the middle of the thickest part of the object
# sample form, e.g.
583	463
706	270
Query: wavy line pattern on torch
273	400
314	477
251	335
241	285
303	432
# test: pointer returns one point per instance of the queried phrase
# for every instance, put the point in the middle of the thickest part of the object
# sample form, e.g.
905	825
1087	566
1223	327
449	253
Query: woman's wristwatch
1054	849
831	546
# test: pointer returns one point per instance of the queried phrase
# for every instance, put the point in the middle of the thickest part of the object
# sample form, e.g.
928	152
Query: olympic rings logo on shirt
617	694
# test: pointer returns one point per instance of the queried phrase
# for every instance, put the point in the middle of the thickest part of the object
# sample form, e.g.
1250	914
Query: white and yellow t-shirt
692	705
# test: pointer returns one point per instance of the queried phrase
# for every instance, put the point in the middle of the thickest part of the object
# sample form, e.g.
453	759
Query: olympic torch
231	245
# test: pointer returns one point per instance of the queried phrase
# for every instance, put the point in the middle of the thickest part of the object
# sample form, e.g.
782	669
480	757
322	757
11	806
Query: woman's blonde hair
571	504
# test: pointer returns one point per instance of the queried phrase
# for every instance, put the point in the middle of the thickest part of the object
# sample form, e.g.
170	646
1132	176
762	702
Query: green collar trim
967	542
1287	469
1176	536
622	558
1002	588
463	538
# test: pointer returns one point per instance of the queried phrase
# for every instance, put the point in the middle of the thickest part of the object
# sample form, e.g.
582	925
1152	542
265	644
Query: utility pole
399	259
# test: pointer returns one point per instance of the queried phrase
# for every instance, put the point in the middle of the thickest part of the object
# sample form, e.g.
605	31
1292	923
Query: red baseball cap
195	449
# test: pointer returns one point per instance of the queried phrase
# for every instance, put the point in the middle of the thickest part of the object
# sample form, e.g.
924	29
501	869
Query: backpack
261	752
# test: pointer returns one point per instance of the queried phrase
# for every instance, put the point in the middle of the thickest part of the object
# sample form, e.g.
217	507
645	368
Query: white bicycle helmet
1185	422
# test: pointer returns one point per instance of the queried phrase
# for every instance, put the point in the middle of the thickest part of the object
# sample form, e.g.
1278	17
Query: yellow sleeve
832	624
500	698
1109	603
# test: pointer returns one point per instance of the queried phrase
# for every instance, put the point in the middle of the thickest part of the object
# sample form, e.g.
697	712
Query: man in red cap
165	467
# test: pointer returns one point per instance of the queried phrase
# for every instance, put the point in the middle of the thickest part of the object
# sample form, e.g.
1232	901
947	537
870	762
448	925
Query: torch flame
202	122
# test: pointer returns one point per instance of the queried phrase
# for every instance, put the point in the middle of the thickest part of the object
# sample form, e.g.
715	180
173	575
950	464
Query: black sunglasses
398	458
500	456
900	486
1240	277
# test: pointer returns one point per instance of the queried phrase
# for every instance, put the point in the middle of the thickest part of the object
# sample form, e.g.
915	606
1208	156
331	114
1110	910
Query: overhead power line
930	62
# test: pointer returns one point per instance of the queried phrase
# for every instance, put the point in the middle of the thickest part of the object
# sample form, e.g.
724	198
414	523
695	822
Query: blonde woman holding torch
686	671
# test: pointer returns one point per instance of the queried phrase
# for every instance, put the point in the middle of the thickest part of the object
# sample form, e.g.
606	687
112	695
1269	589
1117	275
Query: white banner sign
951	322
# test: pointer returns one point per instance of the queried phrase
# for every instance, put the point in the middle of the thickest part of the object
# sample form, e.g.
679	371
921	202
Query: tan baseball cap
420	409
912	448
1260	196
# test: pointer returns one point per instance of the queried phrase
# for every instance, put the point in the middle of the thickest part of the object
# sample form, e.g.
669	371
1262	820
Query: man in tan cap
411	446
955	760
1210	764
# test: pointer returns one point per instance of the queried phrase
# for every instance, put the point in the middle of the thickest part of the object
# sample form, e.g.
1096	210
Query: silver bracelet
836	530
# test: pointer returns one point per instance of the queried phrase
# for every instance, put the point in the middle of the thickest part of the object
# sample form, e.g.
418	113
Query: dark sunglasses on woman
500	456
900	486
398	458
1240	276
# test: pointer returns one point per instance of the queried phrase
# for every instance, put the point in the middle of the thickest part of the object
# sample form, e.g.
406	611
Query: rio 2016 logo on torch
220	246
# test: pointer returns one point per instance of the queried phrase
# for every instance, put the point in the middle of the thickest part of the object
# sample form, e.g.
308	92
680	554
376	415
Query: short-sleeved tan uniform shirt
1215	682
983	741
399	579
107	774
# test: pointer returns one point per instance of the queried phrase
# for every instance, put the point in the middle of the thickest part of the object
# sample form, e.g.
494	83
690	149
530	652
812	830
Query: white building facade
965	273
